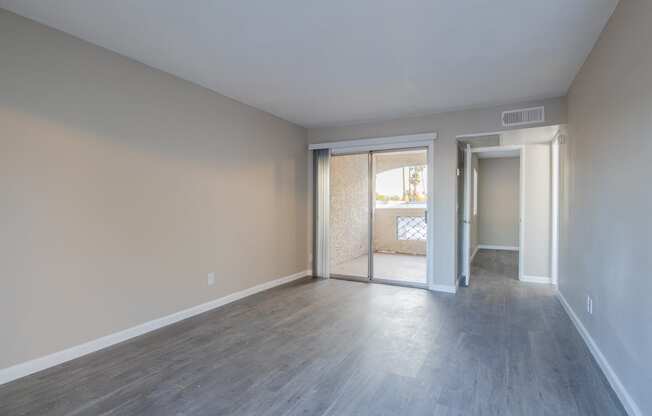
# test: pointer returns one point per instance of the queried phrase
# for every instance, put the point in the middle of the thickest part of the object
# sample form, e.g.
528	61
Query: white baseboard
443	288
628	403
475	251
492	247
23	369
536	279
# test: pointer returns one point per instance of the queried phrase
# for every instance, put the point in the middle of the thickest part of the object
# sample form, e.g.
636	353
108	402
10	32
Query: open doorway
378	216
507	195
496	212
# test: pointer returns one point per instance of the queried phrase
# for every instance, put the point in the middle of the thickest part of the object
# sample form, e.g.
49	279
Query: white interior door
468	184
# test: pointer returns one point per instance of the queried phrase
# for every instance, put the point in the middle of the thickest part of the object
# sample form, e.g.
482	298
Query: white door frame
467	202
521	210
555	194
425	140
556	172
468	182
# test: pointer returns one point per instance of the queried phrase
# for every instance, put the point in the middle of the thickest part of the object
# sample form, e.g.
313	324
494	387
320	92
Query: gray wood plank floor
332	347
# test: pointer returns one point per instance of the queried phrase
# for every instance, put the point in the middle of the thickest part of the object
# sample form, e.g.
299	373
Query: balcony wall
385	233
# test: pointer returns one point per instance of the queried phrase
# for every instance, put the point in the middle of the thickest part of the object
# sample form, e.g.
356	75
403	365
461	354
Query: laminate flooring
333	347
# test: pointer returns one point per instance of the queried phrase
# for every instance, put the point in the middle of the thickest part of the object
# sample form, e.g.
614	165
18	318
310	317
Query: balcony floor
397	267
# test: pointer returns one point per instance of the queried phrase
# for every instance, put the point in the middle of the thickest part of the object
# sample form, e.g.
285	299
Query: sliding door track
379	281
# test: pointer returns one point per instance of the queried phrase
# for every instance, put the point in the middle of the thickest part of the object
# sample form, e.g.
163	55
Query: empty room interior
325	208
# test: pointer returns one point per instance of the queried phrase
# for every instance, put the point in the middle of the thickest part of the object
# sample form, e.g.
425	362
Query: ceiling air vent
523	116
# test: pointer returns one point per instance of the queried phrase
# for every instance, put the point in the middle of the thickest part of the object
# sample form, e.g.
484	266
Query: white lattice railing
411	228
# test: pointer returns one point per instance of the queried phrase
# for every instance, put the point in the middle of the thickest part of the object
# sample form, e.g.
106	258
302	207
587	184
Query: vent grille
523	116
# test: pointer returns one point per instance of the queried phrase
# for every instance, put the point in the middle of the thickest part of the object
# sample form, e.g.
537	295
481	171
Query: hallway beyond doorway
495	264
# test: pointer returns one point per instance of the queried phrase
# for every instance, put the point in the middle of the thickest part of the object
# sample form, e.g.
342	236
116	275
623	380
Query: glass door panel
399	217
349	216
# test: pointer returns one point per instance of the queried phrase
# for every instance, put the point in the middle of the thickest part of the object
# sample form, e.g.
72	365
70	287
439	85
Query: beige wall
349	207
498	201
121	187
448	126
606	230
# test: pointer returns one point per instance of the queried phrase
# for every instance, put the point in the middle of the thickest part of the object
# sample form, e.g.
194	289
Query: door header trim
378	143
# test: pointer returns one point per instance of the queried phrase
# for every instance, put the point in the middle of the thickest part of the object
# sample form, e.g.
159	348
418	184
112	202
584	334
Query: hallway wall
606	231
498	202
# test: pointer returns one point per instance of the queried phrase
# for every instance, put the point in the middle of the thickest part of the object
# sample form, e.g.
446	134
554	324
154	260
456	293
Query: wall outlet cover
211	278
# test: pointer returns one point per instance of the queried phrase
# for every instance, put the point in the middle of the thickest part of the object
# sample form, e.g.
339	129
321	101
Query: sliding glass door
400	230
378	216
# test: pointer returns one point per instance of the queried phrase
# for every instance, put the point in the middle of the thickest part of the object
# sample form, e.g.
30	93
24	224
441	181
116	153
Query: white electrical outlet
589	305
211	279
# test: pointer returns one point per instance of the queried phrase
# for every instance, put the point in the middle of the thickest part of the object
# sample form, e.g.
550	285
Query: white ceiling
328	62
